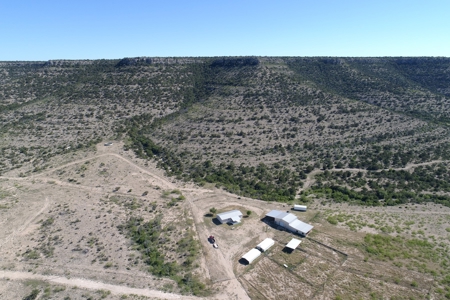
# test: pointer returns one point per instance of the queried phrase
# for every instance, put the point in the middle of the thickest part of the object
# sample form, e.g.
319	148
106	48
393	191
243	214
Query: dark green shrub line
261	182
376	197
422	184
146	238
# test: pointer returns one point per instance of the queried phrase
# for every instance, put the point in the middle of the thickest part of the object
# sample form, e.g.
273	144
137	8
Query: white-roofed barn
289	221
251	255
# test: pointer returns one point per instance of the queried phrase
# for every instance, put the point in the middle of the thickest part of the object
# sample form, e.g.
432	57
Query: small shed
251	255
233	216
293	244
300	207
266	244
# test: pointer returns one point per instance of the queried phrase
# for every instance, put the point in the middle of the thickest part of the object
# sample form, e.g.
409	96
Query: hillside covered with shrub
272	128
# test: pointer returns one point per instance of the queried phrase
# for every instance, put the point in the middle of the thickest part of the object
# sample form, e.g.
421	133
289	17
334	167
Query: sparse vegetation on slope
255	126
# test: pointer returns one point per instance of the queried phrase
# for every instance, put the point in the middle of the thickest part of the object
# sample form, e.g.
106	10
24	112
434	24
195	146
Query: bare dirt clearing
60	228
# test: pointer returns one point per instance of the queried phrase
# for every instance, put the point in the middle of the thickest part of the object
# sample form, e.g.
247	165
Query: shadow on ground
244	262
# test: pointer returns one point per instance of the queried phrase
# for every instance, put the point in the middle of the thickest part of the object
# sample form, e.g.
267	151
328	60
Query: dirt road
220	269
26	224
92	285
165	183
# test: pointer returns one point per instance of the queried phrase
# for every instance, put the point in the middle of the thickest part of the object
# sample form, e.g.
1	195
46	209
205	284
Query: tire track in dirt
164	181
27	223
216	263
219	268
93	285
222	269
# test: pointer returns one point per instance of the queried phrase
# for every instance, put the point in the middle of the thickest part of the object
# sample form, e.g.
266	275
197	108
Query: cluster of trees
273	183
261	182
387	187
235	62
135	61
386	82
376	197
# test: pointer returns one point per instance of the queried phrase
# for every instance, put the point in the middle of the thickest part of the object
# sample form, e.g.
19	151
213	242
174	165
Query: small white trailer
300	207
251	255
265	245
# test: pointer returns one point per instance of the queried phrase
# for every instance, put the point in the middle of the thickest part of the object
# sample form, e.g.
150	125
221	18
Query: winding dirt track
220	263
93	285
166	182
26	224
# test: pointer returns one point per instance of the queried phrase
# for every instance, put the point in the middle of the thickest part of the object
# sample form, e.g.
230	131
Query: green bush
33	295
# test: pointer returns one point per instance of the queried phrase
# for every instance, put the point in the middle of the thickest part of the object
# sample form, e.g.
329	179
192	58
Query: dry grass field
60	237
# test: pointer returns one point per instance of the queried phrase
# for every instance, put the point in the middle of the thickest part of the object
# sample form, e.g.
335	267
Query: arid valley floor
59	235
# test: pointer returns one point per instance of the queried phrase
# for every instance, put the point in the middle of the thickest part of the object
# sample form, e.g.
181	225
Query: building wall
284	224
223	221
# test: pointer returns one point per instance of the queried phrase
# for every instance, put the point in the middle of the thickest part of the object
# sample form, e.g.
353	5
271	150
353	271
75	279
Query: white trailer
265	245
300	207
251	255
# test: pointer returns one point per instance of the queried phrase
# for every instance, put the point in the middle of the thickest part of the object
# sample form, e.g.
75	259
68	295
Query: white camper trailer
300	207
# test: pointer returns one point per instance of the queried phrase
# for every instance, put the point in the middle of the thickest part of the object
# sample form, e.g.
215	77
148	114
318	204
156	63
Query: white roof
301	226
235	219
293	244
300	206
235	215
273	213
251	255
289	218
281	215
266	244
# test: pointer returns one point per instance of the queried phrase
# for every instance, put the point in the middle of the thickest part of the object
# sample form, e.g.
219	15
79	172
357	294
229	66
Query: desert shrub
33	295
145	236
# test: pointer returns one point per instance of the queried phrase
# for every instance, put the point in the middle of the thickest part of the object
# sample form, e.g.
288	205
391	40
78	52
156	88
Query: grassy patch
416	254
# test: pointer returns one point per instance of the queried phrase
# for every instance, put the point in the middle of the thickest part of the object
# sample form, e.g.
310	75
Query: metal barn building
289	221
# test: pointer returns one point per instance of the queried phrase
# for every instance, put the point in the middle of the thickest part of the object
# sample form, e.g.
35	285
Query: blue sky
43	30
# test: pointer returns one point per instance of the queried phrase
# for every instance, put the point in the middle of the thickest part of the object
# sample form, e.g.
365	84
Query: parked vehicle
211	239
